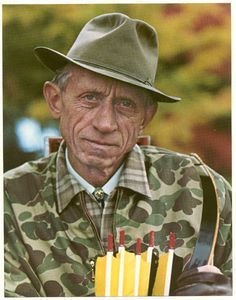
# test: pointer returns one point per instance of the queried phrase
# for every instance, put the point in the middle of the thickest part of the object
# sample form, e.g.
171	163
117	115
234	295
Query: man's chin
102	162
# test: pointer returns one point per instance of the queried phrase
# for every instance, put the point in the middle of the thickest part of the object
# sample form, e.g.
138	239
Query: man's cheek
131	133
129	139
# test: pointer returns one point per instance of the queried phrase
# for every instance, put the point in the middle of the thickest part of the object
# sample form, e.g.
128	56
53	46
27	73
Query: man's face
100	120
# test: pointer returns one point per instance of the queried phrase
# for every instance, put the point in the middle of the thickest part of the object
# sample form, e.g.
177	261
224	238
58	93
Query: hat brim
55	60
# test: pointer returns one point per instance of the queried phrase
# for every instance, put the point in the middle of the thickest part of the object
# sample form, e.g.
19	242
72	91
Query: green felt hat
116	46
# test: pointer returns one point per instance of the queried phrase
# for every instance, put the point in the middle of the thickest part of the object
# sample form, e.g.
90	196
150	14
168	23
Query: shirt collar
66	184
110	185
132	175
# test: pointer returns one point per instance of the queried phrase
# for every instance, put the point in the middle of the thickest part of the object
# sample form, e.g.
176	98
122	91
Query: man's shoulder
154	153
157	156
168	159
30	169
22	184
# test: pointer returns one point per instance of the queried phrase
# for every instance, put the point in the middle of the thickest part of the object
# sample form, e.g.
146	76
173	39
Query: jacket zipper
119	193
92	260
92	264
92	224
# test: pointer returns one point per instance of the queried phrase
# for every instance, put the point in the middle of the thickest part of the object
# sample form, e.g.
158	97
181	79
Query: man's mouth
101	143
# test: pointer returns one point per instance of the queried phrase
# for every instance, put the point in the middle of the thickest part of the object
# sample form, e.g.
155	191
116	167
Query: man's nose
105	118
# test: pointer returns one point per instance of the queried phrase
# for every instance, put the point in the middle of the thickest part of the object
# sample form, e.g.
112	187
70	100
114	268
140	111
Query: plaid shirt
133	177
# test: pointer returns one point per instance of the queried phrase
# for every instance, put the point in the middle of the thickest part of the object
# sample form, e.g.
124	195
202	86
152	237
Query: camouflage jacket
50	237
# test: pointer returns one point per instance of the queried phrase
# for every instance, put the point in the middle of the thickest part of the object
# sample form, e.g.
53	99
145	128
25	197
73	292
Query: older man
60	209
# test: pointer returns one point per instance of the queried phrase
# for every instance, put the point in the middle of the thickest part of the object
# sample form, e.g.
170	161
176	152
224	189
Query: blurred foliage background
194	63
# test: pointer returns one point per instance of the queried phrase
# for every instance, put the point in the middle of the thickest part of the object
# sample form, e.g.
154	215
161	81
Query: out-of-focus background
194	63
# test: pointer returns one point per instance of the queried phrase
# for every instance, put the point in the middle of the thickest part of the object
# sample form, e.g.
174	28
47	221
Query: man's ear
52	95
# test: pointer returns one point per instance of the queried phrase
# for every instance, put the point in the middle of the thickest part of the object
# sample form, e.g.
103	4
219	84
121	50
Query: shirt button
99	193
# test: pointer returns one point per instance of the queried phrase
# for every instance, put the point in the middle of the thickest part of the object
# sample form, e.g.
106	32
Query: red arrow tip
172	241
138	246
122	238
151	239
110	243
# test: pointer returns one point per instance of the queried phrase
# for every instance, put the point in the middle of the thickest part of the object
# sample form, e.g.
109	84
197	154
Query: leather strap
198	283
204	248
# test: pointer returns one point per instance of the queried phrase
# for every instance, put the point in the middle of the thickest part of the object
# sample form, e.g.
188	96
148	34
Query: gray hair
62	76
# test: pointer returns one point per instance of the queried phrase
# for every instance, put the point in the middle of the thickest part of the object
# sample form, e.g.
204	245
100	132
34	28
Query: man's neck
93	176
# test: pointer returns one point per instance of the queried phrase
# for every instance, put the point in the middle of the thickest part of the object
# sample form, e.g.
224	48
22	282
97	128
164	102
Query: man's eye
127	103
90	97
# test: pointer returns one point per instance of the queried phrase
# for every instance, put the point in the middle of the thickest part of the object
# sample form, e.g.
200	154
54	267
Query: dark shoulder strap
204	248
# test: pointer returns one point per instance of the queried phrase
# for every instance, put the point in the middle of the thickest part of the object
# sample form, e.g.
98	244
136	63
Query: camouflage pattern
48	253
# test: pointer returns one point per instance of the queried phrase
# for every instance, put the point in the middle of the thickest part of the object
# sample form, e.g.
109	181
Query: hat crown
114	46
117	42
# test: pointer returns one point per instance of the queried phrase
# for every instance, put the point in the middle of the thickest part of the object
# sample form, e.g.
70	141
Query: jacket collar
133	177
66	184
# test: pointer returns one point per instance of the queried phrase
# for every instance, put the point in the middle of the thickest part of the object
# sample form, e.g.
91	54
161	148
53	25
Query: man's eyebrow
125	98
93	90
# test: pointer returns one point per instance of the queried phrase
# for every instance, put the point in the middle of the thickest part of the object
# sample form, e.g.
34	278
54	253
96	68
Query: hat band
146	82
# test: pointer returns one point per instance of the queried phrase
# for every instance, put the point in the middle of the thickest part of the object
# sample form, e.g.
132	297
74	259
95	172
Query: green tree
194	63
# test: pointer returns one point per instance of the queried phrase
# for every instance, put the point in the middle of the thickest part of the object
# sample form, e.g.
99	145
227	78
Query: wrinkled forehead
92	79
